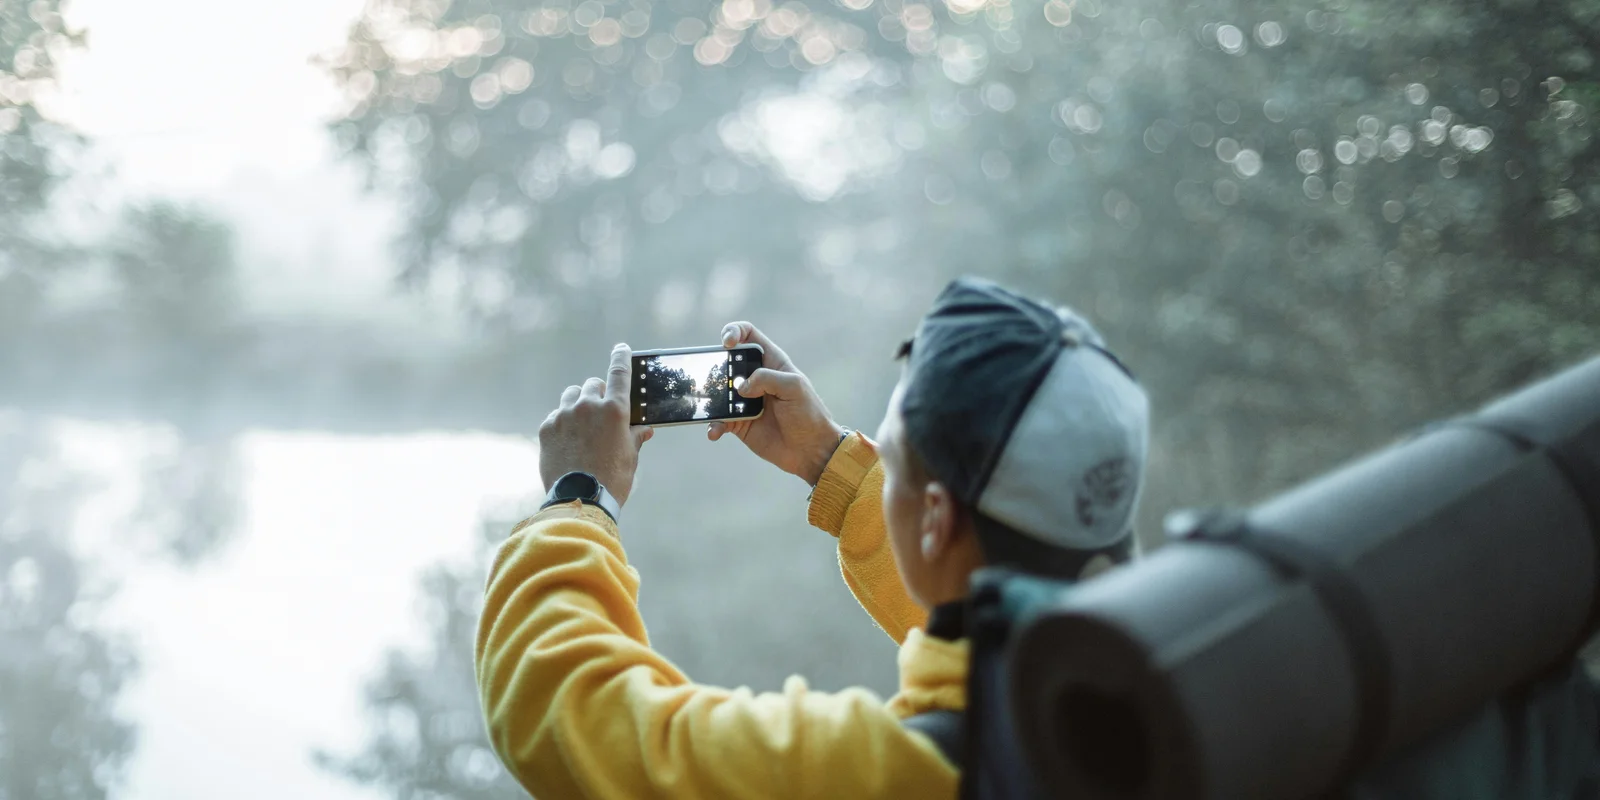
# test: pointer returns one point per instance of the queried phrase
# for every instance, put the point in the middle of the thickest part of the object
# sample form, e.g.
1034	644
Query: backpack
1539	741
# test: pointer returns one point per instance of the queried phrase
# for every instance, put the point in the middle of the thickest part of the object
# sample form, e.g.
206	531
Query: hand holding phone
588	432
795	431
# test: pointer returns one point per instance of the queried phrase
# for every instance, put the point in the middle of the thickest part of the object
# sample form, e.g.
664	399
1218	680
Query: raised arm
848	503
799	436
579	706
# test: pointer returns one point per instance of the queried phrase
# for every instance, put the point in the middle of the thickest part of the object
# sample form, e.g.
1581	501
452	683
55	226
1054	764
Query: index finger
773	357
619	378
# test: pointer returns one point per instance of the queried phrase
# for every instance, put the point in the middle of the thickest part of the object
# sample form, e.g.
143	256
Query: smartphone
693	385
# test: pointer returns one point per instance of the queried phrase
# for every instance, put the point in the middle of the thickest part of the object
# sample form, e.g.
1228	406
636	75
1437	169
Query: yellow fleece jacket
579	706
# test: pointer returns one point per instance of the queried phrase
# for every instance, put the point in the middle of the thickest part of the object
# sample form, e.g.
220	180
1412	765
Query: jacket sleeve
848	503
578	705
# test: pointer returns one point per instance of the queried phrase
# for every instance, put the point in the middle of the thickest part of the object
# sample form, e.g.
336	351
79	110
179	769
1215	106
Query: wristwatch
585	487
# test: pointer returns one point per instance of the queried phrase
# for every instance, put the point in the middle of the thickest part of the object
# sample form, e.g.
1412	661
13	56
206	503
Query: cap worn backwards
1023	414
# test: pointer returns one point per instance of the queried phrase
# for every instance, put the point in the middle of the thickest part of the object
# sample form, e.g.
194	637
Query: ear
938	520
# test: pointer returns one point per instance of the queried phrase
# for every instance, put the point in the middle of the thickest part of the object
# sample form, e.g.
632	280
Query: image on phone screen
693	385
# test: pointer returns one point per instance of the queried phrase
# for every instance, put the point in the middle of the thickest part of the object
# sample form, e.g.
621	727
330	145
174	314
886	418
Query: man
1013	437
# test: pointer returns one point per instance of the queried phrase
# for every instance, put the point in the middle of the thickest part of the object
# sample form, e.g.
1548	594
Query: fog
285	289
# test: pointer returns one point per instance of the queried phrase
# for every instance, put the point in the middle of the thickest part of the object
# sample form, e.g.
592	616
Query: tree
166	318
715	388
60	674
1326	241
428	740
1332	243
33	153
566	161
674	397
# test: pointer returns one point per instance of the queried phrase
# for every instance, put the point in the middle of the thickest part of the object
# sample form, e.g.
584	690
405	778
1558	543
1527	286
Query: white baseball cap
1021	411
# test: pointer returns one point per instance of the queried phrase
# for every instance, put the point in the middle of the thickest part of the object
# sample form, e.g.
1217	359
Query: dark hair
1005	546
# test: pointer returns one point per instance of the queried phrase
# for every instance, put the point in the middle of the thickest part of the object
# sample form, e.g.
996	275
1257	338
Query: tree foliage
1332	217
34	152
674	397
1307	224
428	740
164	270
60	673
715	388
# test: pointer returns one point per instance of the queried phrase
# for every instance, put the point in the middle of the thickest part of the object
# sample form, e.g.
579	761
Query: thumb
770	382
641	435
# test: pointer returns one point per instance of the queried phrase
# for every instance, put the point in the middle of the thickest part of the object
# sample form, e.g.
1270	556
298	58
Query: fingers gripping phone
693	385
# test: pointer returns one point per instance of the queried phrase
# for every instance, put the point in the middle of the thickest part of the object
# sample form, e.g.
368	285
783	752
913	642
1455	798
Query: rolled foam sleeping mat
1276	652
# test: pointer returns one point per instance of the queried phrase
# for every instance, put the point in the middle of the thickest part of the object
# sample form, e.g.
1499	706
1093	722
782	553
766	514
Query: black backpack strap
945	728
1579	468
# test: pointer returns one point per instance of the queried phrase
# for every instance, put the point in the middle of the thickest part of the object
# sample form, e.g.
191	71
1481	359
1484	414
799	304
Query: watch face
577	486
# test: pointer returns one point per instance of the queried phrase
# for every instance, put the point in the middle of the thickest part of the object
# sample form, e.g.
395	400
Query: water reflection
257	657
62	670
227	666
425	736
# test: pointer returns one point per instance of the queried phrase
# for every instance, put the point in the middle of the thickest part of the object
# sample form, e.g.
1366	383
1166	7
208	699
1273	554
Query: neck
954	584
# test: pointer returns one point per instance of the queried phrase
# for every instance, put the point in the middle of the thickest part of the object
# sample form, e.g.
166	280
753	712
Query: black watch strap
586	488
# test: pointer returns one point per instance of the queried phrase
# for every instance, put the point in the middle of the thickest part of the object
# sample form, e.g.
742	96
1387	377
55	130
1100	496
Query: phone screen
695	385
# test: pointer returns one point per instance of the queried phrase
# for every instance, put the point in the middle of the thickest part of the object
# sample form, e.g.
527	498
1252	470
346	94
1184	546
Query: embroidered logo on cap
1102	490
